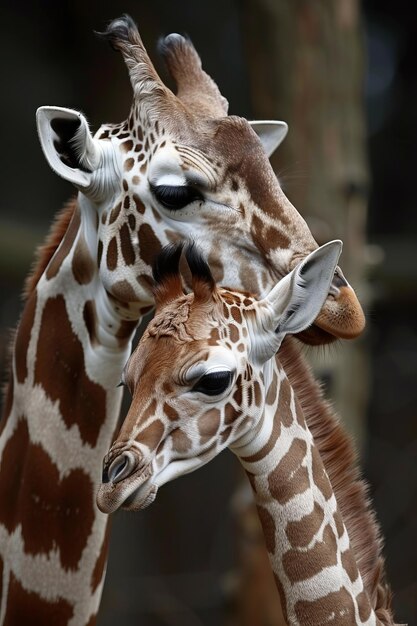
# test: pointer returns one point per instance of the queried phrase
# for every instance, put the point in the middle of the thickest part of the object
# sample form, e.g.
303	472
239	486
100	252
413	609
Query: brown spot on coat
123	291
236	314
83	266
151	435
112	254
238	394
115	213
26	607
90	320
225	435
249	394
321	480
127	145
258	393
271	395
349	564
268	238
99	252
140	207
229	413
249	278
60	370
126	245
170	412
37	499
339	524
214	337
132	222
302	532
234	333
23	338
149	244
180	440
65	247
208	423
364	606
129	163
290	477
301	565
284	412
335	608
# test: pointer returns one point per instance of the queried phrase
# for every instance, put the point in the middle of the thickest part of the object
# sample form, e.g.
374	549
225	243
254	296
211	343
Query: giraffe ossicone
203	377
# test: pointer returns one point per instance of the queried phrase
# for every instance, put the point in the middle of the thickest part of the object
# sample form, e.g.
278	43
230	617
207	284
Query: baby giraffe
204	377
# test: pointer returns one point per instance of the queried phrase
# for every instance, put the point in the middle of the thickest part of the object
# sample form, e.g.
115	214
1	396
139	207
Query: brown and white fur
179	166
204	377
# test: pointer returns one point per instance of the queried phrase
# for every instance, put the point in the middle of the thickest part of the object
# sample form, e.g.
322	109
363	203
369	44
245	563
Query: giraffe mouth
141	498
133	493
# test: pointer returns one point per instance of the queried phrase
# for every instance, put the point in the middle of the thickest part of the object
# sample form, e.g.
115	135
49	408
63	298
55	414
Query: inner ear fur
68	145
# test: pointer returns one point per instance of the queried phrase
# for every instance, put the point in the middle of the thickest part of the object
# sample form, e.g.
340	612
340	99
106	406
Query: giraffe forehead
179	164
164	355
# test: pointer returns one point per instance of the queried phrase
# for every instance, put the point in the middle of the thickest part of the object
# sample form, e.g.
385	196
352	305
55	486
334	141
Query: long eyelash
175	197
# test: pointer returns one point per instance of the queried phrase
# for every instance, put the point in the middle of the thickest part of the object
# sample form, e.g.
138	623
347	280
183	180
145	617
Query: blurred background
343	75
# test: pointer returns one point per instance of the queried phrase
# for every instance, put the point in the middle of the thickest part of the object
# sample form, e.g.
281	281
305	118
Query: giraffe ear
295	302
68	145
271	133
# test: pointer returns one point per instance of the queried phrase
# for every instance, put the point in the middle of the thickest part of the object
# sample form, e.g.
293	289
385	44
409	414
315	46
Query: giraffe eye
175	197
214	383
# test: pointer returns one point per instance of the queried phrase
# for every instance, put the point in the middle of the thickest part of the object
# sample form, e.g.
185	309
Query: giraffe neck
314	566
338	453
61	412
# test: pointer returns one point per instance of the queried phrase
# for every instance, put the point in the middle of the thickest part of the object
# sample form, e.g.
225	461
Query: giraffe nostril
120	468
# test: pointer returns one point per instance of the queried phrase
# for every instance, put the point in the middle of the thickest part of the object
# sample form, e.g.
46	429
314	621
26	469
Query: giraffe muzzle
342	315
125	481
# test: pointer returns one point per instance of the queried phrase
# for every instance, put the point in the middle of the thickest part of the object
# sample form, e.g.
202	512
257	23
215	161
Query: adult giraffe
204	377
178	166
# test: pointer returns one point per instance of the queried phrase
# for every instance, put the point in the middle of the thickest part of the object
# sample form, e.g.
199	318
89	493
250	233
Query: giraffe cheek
181	442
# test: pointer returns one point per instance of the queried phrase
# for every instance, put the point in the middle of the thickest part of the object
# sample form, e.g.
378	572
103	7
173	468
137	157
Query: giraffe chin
141	498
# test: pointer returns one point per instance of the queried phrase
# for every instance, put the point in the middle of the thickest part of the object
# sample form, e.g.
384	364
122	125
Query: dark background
174	563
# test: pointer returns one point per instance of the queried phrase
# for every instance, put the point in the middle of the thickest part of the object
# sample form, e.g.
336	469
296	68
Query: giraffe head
180	167
199	377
